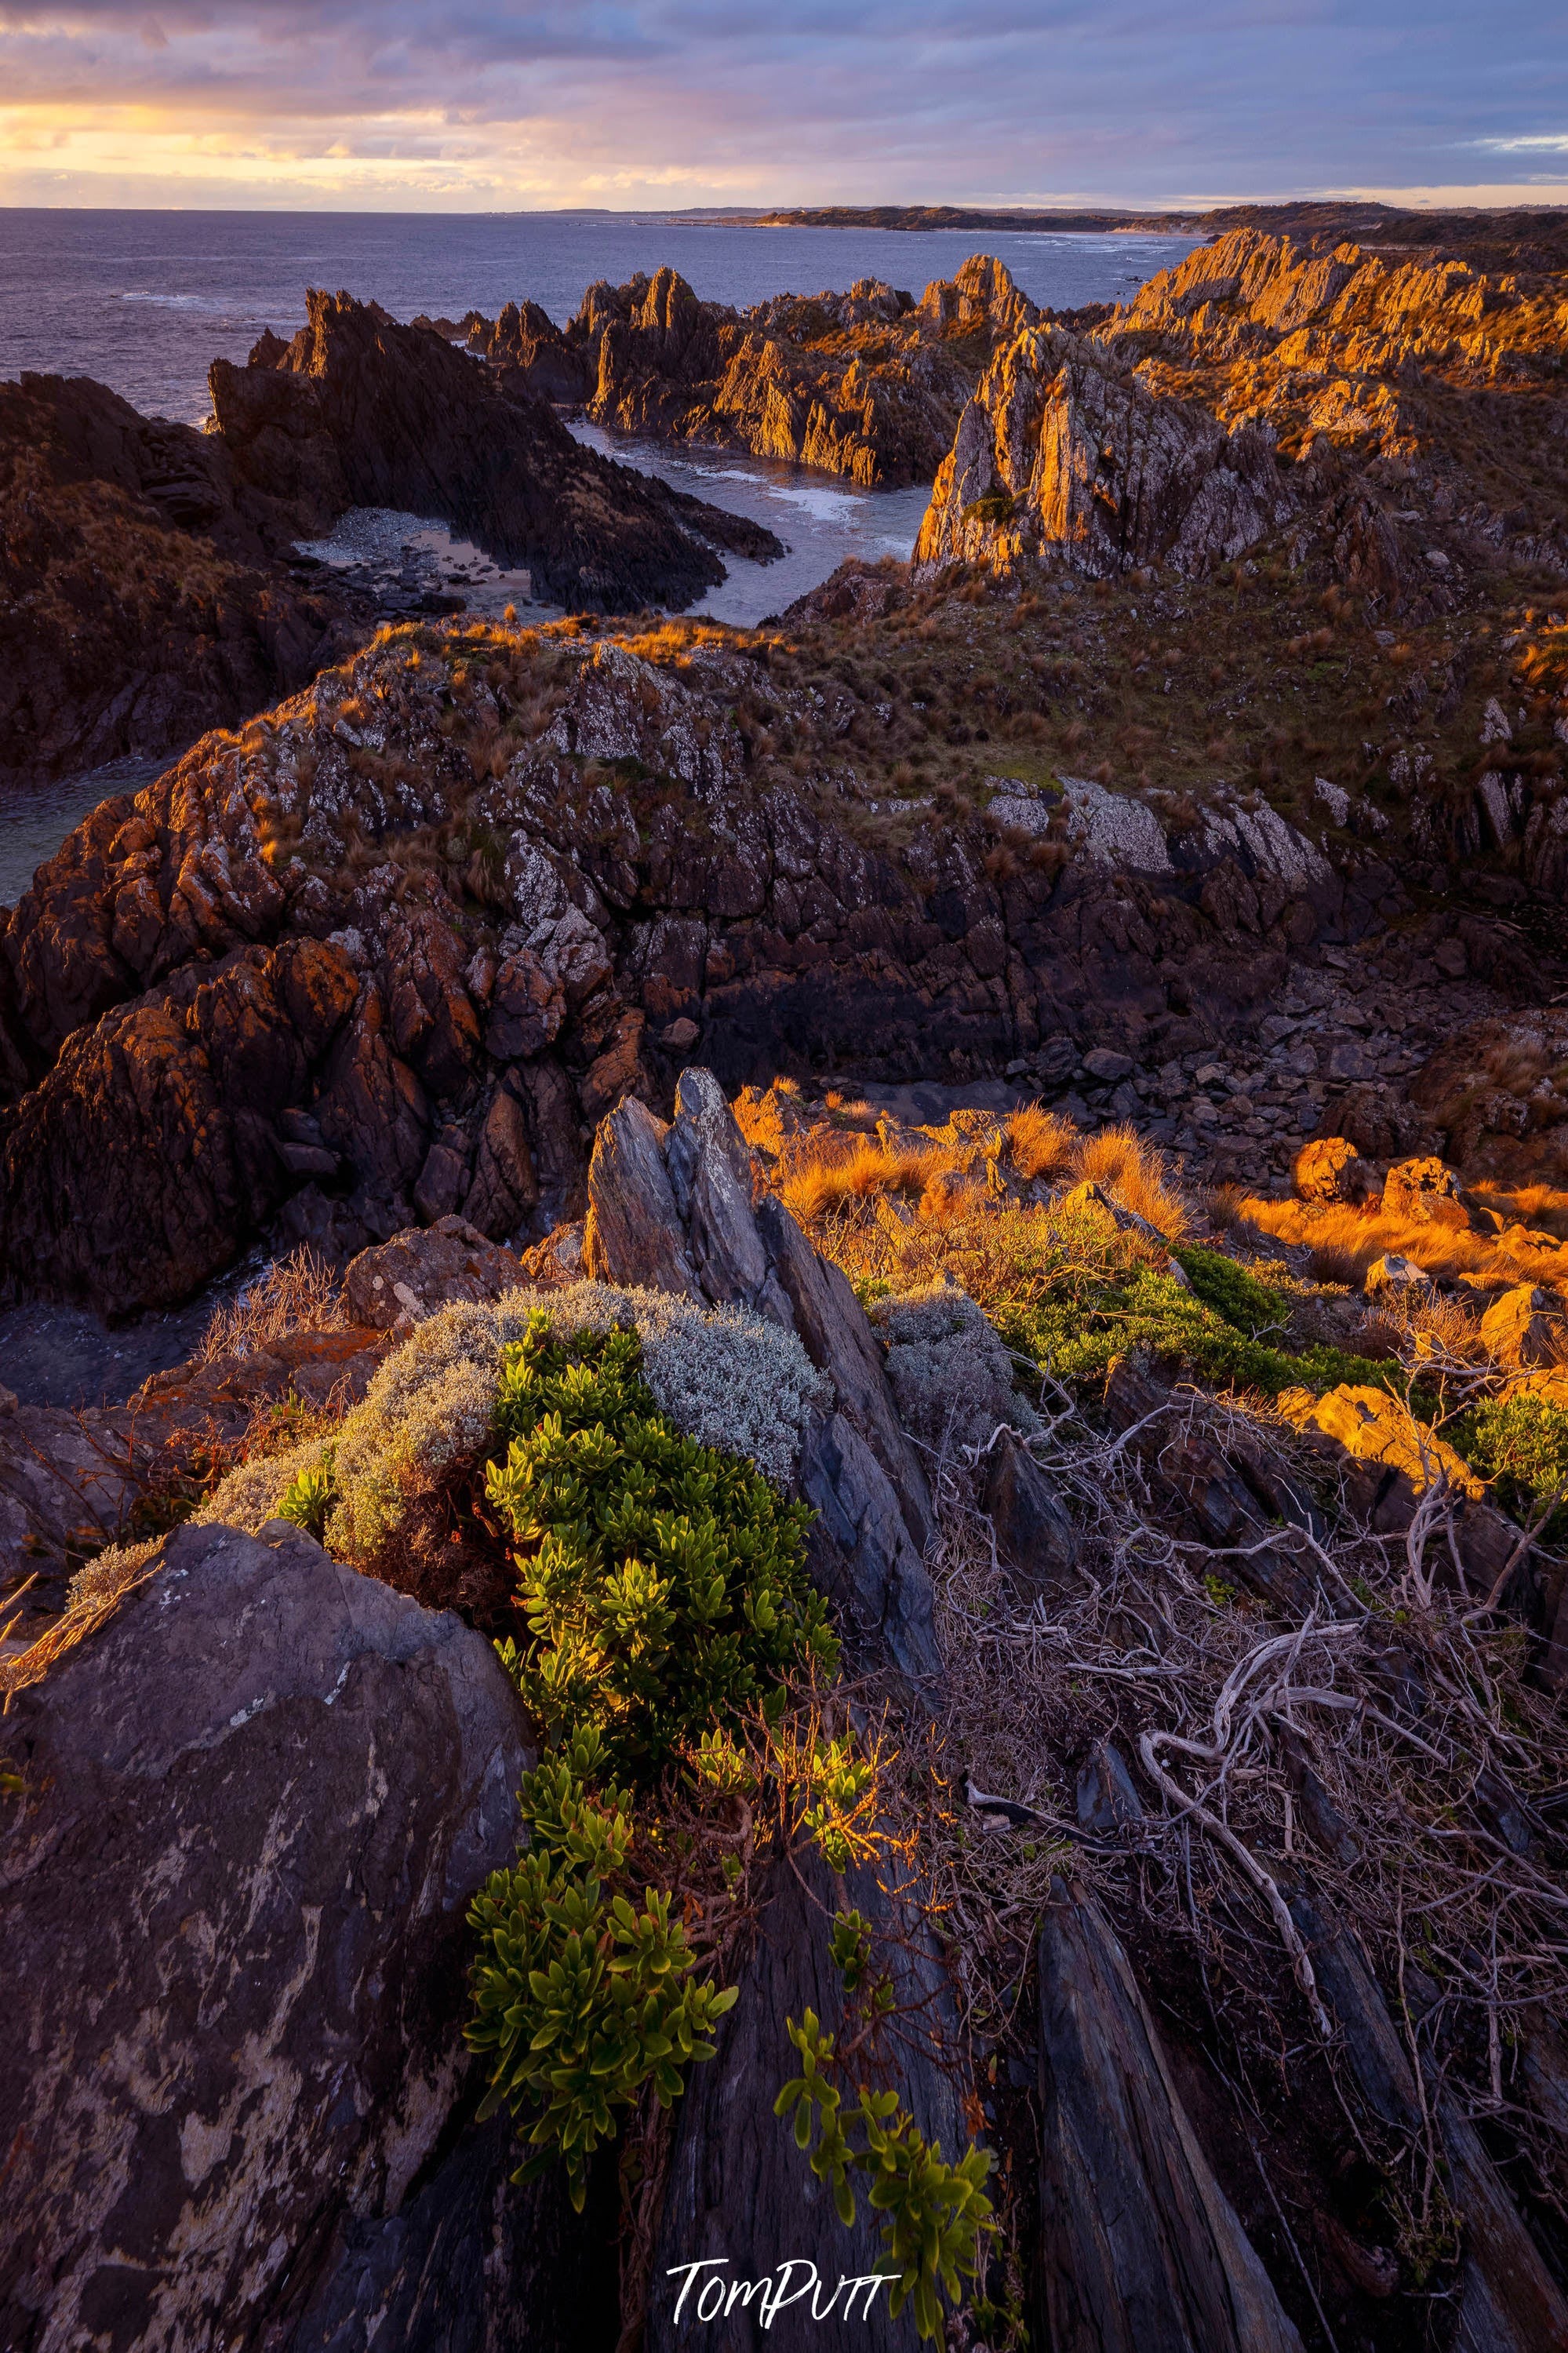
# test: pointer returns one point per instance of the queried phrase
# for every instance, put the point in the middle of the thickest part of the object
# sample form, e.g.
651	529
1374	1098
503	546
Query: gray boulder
232	1902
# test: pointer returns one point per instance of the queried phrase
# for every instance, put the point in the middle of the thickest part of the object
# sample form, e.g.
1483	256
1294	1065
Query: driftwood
1141	2251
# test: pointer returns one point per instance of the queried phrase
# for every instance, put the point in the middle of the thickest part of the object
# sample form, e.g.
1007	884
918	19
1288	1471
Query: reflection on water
35	818
821	517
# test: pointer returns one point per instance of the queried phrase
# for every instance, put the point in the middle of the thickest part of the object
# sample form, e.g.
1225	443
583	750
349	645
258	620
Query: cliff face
1063	454
359	411
1262	382
868	384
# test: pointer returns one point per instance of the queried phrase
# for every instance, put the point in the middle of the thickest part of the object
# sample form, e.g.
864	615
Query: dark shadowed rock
1507	2300
361	411
634	1234
861	1551
140	579
1141	2251
1035	1538
232	1902
740	2194
471	2264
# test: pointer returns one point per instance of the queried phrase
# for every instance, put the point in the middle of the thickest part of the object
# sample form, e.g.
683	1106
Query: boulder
1402	1276
398	1284
1425	1193
1329	1168
1065	455
257	1803
67	1484
1398	1457
1140	2249
1523	1328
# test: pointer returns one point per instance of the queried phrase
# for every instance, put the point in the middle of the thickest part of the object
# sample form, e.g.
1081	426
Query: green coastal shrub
664	1583
580	1997
1521	1444
729	1379
934	2214
1080	1325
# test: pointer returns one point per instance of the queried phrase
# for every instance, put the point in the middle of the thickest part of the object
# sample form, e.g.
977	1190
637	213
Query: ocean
144	301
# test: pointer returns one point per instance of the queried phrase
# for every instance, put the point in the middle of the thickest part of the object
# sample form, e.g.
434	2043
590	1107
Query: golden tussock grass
1135	1173
1042	1141
825	1171
1344	1240
821	1172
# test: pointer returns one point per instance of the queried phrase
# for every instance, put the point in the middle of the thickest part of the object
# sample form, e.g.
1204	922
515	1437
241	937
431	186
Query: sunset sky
669	102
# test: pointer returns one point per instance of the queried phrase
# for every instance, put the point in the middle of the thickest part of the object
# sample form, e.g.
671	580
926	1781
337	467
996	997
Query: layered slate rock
1141	2251
675	1208
741	2200
1064	455
1507	2300
256	1805
360	411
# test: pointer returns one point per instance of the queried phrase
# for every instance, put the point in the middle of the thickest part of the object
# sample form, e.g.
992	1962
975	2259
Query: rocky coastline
890	1505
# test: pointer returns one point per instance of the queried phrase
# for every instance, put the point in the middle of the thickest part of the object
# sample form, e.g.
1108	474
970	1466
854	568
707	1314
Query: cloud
729	100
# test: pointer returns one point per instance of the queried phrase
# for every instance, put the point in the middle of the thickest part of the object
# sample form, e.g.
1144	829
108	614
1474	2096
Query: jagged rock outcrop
867	384
679	1208
1263	383
384	955
1063	455
254	1806
1338	340
142	594
359	410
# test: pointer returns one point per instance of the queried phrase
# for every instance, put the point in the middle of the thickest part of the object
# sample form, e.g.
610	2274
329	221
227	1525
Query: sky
475	106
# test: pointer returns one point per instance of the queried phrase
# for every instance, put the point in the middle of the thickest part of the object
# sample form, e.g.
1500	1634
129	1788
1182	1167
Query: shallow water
821	517
35	818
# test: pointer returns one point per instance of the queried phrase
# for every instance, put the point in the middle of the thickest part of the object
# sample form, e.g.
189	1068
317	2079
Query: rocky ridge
360	411
142	595
399	942
1261	385
868	384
